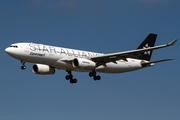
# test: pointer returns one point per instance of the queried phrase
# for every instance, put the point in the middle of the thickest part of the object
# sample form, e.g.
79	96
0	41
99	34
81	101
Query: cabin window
15	46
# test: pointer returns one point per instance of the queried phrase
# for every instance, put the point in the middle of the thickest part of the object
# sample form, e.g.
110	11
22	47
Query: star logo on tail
147	52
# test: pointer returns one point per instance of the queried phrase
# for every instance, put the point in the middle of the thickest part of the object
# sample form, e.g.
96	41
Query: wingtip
173	42
171	59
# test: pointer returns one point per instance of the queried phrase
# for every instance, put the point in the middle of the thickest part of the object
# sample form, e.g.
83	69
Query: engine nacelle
83	63
43	69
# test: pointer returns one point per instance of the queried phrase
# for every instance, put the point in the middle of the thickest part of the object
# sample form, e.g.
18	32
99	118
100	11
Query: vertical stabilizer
148	42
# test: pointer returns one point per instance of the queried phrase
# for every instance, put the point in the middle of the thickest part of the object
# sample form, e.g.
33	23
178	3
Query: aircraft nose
7	50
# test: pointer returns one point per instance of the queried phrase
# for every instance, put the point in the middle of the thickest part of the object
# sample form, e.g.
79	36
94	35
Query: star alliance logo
147	52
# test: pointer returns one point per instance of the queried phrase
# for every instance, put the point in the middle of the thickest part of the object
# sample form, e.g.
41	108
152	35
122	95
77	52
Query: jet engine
83	63
43	69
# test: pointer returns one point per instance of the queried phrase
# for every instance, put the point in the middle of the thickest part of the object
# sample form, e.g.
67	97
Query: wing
103	59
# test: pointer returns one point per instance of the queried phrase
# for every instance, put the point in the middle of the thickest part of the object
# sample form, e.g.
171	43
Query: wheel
75	80
95	78
71	81
90	74
98	77
67	77
23	67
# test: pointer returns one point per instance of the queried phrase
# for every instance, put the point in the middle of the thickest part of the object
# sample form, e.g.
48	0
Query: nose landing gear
23	67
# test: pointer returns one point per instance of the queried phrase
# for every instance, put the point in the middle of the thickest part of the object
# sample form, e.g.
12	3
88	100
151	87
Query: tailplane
148	42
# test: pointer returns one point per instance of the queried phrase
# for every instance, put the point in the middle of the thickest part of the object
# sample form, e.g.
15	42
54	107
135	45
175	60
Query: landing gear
23	67
73	80
93	74
97	77
70	77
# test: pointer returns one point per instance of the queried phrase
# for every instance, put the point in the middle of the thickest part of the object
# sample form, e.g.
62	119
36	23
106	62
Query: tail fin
148	42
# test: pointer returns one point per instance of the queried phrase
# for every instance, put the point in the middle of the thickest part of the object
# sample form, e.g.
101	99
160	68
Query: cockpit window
15	46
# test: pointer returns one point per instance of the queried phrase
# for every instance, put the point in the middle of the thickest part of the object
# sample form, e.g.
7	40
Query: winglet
172	43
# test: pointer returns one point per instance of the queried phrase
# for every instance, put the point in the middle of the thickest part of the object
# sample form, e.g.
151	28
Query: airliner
47	58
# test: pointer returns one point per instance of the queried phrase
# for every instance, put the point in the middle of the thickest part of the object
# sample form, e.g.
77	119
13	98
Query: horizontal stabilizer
144	64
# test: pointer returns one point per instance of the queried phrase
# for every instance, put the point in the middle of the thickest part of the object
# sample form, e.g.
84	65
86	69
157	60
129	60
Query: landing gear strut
93	74
23	67
70	77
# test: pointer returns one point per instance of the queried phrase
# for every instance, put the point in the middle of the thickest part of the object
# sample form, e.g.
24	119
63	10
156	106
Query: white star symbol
147	52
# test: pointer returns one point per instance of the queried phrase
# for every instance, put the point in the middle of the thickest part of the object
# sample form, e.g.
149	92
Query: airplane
47	58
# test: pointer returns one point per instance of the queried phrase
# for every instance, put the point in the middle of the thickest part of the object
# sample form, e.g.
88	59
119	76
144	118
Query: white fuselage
58	57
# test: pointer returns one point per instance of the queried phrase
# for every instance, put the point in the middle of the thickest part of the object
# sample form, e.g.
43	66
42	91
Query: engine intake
83	63
43	69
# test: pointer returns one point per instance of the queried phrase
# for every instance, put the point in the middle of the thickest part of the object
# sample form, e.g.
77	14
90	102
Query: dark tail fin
148	42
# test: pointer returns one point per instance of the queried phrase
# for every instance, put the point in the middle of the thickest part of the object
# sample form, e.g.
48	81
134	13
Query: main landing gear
74	80
93	74
23	67
70	77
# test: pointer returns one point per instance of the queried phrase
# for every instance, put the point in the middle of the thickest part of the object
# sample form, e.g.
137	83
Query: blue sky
104	26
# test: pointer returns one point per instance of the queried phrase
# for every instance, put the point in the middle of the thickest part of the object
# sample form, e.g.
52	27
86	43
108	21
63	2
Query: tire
98	77
67	77
75	80
90	74
95	78
23	67
71	81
